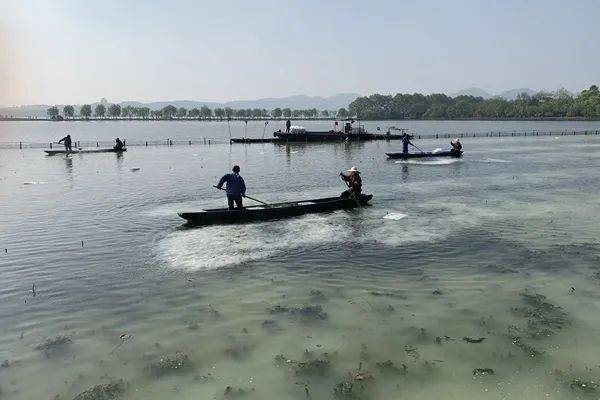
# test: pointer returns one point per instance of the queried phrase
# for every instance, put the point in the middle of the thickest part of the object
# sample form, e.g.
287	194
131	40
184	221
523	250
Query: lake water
102	282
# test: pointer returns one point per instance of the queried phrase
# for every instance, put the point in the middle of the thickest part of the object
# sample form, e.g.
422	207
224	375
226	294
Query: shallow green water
449	249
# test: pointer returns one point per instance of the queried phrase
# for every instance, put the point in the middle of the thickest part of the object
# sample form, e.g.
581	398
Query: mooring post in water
50	144
20	145
208	141
436	136
190	142
146	143
96	144
204	140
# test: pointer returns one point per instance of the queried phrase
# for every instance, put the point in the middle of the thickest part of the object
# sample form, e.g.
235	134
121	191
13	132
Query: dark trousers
231	198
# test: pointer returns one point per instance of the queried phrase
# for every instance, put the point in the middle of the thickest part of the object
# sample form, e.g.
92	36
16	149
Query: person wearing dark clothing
288	125
236	187
405	142
67	142
118	145
456	146
353	181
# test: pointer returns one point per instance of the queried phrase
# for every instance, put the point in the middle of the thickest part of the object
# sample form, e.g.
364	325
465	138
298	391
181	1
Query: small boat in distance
429	154
273	211
80	151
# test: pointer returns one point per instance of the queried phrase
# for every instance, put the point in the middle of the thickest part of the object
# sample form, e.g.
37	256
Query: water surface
449	249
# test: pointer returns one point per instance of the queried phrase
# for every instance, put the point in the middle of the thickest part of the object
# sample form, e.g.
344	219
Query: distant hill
294	102
475	92
513	93
508	95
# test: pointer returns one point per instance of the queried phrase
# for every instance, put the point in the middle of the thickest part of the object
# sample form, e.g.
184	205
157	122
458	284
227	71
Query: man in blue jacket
236	188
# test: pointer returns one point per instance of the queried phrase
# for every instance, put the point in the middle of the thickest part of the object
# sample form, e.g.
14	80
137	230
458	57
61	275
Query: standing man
67	143
288	125
236	187
405	142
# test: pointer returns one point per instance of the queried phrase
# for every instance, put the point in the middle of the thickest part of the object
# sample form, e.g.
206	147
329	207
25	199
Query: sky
74	52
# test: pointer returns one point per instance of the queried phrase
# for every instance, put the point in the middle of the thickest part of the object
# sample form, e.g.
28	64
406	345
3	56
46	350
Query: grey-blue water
102	282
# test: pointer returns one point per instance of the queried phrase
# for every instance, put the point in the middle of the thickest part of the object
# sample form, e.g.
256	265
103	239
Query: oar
417	148
248	197
351	192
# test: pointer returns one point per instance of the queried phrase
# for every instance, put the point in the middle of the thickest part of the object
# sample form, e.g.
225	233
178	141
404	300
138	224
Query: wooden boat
273	211
331	136
80	151
403	156
252	140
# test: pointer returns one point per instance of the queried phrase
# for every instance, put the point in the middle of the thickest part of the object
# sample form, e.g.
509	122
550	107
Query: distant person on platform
118	145
456	146
405	142
353	181
236	187
67	142
288	125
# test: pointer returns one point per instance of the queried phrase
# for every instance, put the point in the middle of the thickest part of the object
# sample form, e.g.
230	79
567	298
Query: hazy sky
59	51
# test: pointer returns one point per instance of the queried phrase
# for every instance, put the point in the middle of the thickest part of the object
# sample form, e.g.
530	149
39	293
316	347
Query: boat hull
252	140
310	136
274	211
76	151
403	156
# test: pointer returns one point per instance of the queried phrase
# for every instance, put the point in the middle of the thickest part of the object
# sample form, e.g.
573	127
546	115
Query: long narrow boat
273	211
77	151
403	156
331	136
252	140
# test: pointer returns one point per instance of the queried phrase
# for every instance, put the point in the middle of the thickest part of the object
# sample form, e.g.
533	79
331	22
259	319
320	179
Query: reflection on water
473	279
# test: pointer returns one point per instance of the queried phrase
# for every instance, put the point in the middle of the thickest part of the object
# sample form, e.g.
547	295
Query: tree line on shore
559	104
115	111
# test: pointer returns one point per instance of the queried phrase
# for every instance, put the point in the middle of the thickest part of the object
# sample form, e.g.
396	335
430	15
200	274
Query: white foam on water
33	183
436	161
396	216
208	248
438	150
492	160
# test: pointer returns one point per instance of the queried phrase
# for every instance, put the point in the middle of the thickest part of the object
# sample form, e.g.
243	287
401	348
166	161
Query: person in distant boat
236	187
118	145
67	142
456	146
405	142
288	125
353	181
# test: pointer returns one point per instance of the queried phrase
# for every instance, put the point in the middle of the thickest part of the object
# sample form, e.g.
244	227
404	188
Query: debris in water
33	290
239	352
587	387
135	169
529	350
233	393
54	346
389	367
412	352
388	294
108	391
178	362
483	371
394	216
471	340
437	292
306	312
5	364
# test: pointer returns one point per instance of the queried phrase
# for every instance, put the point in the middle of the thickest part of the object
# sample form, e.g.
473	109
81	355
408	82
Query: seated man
353	181
456	146
119	145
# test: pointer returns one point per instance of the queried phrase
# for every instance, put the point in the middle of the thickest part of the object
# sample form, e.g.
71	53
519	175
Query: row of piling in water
209	141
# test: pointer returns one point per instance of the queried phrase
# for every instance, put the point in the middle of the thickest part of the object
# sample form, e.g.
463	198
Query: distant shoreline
32	119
